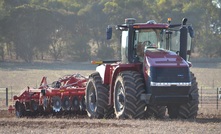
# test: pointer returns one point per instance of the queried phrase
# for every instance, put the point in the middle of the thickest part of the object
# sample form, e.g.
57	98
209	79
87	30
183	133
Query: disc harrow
66	95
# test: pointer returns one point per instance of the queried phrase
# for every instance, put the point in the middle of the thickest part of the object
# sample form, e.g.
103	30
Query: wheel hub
120	99
92	100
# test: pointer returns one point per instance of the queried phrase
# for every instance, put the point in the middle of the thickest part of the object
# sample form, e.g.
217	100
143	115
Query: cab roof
144	26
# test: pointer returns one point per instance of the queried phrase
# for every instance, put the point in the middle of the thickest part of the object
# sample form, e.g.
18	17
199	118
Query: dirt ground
9	124
207	122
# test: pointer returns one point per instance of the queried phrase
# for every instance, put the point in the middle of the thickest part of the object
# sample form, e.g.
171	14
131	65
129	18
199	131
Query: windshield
171	41
144	39
147	37
168	39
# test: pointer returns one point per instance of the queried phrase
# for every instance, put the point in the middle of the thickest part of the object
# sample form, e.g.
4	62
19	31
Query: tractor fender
109	73
104	71
118	69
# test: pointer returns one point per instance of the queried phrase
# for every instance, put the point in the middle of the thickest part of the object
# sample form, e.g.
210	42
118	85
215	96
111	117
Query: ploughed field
81	124
16	76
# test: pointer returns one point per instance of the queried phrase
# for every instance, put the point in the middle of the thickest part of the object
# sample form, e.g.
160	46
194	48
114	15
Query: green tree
28	26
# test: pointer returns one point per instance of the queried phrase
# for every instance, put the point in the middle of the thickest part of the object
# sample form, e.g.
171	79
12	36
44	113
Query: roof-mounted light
97	62
169	20
130	20
151	22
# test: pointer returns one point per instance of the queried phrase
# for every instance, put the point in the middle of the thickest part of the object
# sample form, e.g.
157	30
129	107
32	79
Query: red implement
65	94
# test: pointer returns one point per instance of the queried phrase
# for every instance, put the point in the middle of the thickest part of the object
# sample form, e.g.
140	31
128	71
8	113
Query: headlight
166	84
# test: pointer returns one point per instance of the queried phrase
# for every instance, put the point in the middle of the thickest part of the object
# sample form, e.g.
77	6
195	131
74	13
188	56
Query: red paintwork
152	26
109	73
164	58
153	57
28	94
71	85
11	109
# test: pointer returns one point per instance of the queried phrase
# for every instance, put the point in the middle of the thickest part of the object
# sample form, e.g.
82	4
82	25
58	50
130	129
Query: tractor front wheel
129	85
155	111
190	109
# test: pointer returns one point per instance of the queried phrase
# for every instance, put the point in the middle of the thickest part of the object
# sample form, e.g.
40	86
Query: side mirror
109	32
191	31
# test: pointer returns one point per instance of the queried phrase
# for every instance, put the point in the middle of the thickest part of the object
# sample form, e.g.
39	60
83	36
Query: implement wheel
129	85
96	97
19	109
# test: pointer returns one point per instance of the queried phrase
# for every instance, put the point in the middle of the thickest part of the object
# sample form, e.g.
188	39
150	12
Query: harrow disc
75	104
66	104
83	104
34	106
56	103
20	109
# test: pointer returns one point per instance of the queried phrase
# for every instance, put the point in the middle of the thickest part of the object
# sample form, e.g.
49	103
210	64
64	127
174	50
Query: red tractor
152	77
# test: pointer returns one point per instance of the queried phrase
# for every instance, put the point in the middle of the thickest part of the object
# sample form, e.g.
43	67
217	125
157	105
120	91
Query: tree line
75	29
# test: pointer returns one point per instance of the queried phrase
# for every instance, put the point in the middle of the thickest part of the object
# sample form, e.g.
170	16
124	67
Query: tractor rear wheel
96	97
190	109
129	85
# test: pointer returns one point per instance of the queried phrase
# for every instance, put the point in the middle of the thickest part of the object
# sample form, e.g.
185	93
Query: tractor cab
138	37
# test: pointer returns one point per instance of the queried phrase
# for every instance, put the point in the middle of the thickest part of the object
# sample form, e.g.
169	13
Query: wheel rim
120	98
92	99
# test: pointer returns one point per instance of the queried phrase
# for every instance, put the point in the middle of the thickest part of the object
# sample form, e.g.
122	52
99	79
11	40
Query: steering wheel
147	43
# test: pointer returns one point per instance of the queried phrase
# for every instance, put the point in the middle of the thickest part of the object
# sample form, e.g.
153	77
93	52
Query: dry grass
20	75
17	76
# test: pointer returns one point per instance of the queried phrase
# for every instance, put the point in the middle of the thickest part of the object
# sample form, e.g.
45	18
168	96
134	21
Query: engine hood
163	58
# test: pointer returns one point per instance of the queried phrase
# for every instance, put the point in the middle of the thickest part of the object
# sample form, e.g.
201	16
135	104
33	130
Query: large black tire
173	111
155	111
109	114
96	97
190	109
129	85
19	109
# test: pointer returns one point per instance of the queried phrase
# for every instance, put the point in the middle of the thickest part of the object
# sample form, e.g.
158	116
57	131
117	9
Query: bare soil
81	124
208	121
